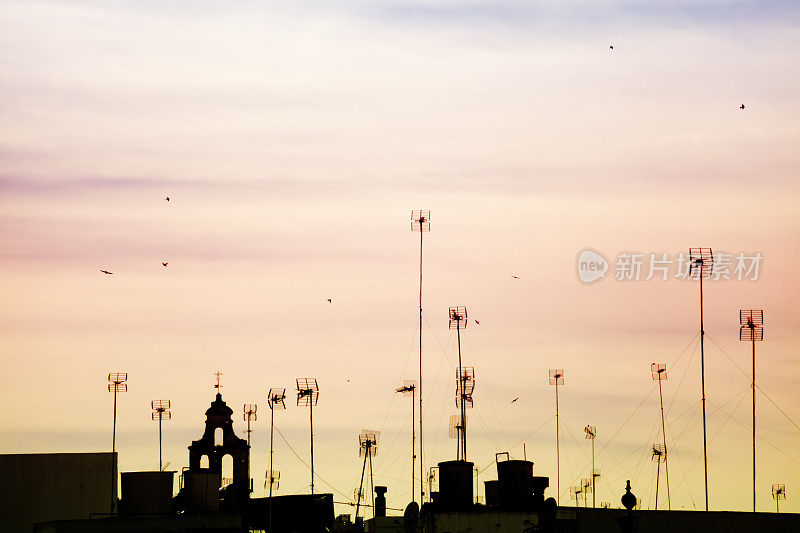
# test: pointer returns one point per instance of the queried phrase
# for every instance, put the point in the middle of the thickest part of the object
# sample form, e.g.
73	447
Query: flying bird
330	300
163	263
741	106
612	46
167	198
515	277
106	272
477	322
515	399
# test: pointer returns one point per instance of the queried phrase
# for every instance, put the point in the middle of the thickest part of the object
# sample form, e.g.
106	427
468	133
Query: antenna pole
160	464
311	418
703	387
116	383
371	481
666	455
361	485
558	454
413	449
421	453
593	476
754	418
271	471
658	474
461	399
113	452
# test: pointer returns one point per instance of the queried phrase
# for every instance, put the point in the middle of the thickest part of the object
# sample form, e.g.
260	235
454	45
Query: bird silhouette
515	399
106	272
167	198
330	300
612	46
477	322
165	264
741	106
515	277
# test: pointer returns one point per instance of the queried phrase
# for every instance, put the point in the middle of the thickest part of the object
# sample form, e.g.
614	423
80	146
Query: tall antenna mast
160	412
591	433
116	383
751	322
250	415
458	321
701	262
275	400
658	371
658	455
778	494
421	222
367	448
557	378
308	396
408	389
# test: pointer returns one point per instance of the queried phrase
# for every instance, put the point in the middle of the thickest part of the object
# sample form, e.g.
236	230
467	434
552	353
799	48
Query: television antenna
308	396
778	494
586	488
408	388
591	433
367	448
116	383
273	479
458	321
250	415
160	412
465	377
557	378
421	222
658	371
574	493
751	328
658	454
275	400
701	262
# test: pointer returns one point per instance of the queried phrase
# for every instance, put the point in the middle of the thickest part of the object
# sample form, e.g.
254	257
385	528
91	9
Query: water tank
491	490
202	492
146	492
455	485
515	483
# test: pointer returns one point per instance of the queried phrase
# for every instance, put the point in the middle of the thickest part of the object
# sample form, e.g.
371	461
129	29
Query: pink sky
293	142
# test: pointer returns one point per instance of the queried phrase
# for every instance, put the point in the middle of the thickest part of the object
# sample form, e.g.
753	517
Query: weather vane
218	374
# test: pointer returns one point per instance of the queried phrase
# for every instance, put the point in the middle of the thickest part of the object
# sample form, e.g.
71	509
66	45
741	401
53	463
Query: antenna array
160	412
701	265
116	384
751	322
658	371
408	388
308	396
556	377
420	222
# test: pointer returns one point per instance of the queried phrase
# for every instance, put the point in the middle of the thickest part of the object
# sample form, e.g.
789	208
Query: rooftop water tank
515	483
455	485
146	492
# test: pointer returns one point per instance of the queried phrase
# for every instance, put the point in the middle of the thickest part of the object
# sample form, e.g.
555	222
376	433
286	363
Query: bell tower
218	416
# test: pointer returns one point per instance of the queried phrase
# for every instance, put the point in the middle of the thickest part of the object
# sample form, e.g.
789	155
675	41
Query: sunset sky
294	139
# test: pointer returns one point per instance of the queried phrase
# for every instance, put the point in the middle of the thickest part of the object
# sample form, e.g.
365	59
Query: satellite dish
410	517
